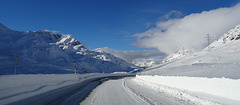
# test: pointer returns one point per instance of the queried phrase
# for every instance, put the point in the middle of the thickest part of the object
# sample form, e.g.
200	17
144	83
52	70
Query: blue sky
100	23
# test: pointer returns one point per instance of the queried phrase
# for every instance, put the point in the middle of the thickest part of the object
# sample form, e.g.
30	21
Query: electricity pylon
208	39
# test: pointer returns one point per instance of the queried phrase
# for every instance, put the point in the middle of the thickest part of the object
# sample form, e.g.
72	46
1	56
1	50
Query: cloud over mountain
190	31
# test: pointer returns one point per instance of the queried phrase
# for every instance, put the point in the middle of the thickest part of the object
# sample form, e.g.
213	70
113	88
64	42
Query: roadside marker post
137	69
144	67
103	68
16	66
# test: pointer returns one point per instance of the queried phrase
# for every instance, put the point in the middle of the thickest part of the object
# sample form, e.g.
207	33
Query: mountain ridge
43	49
138	58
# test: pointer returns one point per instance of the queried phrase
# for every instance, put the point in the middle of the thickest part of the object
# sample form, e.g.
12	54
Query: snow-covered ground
166	90
162	90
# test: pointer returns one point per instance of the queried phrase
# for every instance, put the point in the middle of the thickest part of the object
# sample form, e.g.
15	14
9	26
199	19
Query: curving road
106	90
68	95
127	92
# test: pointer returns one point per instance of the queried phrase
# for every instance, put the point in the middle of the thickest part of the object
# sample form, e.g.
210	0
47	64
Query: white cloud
190	31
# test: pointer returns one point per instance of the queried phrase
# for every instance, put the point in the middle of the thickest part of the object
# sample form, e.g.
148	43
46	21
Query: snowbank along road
165	90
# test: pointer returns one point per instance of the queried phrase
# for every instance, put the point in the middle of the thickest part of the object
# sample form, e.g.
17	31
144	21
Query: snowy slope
49	52
221	61
233	34
176	56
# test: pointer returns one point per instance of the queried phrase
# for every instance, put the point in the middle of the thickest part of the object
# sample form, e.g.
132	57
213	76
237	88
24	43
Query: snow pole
144	67
16	66
137	69
103	69
75	67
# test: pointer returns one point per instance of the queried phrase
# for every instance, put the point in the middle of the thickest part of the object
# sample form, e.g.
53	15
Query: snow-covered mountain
138	58
225	40
149	61
221	60
49	52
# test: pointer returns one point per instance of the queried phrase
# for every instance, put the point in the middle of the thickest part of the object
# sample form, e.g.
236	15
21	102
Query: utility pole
208	39
103	68
75	68
16	66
